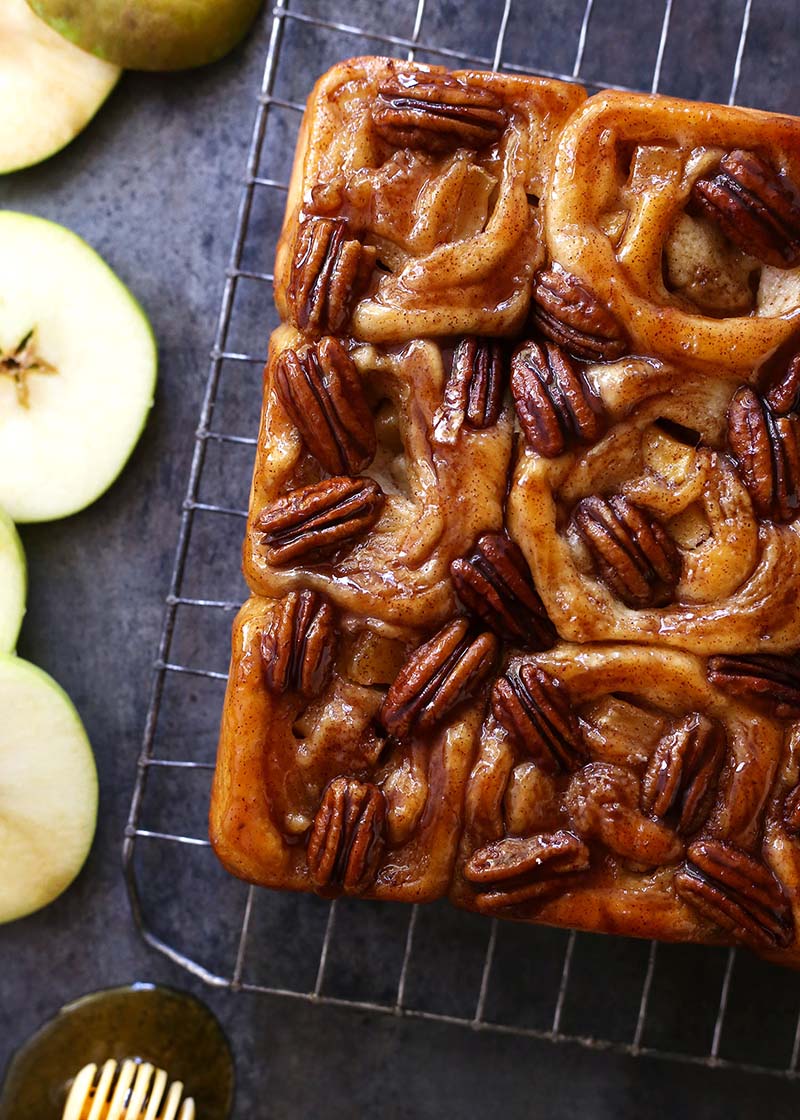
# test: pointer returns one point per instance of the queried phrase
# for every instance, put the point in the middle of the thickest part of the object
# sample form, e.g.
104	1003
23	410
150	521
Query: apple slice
13	583
48	790
77	371
49	89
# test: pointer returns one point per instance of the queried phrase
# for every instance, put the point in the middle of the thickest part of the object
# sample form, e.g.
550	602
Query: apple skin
151	34
14	589
48	793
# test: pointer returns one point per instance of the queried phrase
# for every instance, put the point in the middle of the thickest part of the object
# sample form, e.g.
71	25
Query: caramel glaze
632	260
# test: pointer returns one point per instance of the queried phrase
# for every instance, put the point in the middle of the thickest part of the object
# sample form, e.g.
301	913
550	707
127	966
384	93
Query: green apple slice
49	89
152	34
77	371
13	583
48	790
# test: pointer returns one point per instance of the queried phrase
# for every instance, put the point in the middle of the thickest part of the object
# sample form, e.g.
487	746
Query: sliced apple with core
48	790
13	583
151	34
77	371
49	88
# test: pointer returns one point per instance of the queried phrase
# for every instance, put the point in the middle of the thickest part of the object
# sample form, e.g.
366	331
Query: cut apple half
48	790
13	583
77	371
49	88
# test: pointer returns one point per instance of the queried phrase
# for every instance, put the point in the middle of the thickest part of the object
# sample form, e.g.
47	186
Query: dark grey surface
154	184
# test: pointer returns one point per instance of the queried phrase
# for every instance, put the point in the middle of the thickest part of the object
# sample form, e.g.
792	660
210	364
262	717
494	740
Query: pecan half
329	272
297	647
346	840
535	710
771	678
555	404
755	209
474	390
784	396
791	810
767	451
680	781
321	391
449	668
566	312
737	892
494	583
437	114
318	518
631	550
519	868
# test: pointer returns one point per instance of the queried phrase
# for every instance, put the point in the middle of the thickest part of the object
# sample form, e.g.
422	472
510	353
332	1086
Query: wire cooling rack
714	1007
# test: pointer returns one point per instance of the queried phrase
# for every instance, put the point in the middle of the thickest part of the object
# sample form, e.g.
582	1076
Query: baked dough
523	541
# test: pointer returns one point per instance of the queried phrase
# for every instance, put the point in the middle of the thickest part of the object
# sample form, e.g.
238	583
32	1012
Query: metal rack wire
430	963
